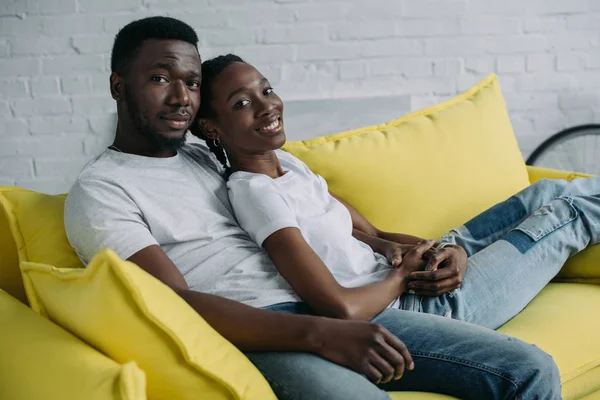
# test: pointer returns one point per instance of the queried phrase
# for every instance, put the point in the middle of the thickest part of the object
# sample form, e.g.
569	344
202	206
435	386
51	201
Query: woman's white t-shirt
301	199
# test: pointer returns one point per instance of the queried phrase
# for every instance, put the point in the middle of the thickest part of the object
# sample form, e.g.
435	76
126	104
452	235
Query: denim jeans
515	248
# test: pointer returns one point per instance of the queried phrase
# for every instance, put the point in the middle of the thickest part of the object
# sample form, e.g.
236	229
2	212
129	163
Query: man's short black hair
131	36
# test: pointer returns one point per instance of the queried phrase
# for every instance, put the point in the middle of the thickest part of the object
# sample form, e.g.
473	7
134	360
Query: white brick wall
56	111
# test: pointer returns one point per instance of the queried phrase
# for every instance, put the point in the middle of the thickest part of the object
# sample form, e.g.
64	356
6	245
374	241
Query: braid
210	70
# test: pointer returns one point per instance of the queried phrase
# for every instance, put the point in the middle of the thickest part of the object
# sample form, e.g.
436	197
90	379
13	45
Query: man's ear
209	128
116	86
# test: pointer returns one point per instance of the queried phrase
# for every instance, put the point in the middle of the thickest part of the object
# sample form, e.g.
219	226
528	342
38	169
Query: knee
552	187
541	377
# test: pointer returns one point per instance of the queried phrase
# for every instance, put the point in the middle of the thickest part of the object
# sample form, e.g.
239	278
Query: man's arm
362	346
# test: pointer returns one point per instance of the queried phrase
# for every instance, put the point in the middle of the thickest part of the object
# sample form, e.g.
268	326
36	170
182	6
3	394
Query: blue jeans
515	248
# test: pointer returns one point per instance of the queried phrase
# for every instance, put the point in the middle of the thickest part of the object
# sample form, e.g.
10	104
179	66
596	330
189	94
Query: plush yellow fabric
40	360
585	266
32	229
564	321
426	172
129	315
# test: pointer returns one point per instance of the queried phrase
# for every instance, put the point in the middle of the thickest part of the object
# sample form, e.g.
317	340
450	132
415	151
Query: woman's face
249	115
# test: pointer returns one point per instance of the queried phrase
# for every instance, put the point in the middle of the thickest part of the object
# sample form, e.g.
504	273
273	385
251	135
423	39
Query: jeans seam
503	375
277	387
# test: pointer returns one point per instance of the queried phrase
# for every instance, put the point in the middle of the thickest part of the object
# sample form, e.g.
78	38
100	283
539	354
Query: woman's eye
159	79
268	91
241	103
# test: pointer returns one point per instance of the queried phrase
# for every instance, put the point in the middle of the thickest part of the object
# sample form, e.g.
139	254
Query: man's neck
132	141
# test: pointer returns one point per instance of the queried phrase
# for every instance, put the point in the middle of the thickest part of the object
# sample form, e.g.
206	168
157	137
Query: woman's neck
265	163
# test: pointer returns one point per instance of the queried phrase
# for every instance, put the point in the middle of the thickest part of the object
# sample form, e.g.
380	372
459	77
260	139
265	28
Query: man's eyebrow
169	67
242	89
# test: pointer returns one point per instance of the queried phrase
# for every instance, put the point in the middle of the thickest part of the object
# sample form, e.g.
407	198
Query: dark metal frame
575	131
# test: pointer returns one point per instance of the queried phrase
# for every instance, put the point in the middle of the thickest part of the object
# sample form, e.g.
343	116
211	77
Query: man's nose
180	94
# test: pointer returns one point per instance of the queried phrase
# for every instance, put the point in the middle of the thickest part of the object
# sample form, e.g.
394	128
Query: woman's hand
444	272
416	258
395	251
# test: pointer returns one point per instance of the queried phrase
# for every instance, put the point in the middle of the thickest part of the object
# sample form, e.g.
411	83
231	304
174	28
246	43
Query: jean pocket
541	223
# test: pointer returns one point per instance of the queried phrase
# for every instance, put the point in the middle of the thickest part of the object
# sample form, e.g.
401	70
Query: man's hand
364	347
443	273
416	258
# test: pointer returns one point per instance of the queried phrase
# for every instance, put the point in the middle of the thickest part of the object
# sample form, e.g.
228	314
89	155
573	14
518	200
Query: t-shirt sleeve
100	214
259	208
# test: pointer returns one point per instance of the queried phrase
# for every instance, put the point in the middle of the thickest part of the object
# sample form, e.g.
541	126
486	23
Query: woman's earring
216	142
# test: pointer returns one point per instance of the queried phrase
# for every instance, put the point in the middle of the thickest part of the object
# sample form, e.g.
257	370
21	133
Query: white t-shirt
301	199
126	202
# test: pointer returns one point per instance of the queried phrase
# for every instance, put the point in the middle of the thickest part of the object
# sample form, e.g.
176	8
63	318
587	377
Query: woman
484	272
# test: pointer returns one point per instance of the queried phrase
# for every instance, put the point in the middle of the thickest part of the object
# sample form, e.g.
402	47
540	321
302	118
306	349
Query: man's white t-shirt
301	199
126	202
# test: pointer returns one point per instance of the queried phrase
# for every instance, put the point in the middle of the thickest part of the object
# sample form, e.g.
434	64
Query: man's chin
170	141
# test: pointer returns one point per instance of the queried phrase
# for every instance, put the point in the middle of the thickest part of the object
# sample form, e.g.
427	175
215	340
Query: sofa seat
564	321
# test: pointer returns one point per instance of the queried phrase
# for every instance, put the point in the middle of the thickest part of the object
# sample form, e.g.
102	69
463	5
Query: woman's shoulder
242	180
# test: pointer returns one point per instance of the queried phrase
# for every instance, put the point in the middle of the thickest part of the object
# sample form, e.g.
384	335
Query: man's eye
241	103
268	91
159	79
194	84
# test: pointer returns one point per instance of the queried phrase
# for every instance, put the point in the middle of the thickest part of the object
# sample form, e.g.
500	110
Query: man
162	205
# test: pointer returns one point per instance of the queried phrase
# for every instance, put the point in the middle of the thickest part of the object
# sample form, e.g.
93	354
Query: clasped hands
429	271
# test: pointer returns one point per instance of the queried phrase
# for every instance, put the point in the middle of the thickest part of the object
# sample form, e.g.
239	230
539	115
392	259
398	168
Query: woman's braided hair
210	70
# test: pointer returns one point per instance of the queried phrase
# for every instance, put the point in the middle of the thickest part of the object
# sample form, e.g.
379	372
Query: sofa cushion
40	360
564	321
36	225
129	315
428	171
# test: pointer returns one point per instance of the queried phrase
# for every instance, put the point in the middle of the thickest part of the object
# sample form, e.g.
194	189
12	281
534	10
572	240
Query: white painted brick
448	67
51	146
375	10
578	101
71	25
480	65
73	64
507	8
100	83
68	167
583	22
4	49
7	181
231	37
50	7
555	6
270	71
465	82
540	62
322	12
17	26
20	66
593	61
90	44
43	86
516	44
38	45
428	27
13	7
103	124
228	2
490	26
548	24
47	106
367	30
4	109
90	105
13	88
409	67
545	82
455	46
392	47
16	167
58	125
13	127
587	80
94	146
531	101
9	147
247	16
204	19
265	54
522	126
574	41
430	85
45	185
510	64
295	34
308	73
93	6
570	62
168	5
434	8
76	85
336	51
352	70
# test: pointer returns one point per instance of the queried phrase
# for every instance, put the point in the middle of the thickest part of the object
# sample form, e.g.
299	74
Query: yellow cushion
129	315
36	225
584	266
428	171
40	360
564	321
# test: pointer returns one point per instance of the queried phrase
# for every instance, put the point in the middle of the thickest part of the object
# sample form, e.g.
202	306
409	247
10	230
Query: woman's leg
504	277
494	223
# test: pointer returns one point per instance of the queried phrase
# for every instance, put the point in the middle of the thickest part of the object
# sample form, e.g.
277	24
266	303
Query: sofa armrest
582	268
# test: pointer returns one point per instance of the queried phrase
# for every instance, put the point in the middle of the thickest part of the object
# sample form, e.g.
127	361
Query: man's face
162	91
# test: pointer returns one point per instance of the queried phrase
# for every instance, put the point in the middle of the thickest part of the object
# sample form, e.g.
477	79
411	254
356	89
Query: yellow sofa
43	356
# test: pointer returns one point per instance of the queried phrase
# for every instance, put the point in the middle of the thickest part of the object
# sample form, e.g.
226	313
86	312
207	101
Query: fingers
396	258
386	371
421	248
437	258
437	275
396	346
434	289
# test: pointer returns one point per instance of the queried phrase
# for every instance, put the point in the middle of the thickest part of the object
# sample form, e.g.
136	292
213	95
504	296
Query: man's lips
177	121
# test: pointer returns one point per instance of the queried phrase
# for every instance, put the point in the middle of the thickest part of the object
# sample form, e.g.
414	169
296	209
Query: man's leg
451	357
504	277
494	223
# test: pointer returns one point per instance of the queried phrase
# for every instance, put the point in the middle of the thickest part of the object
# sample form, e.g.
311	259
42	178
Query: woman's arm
314	283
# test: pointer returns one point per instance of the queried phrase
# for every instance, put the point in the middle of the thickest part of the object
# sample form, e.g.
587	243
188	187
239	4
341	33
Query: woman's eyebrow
242	89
